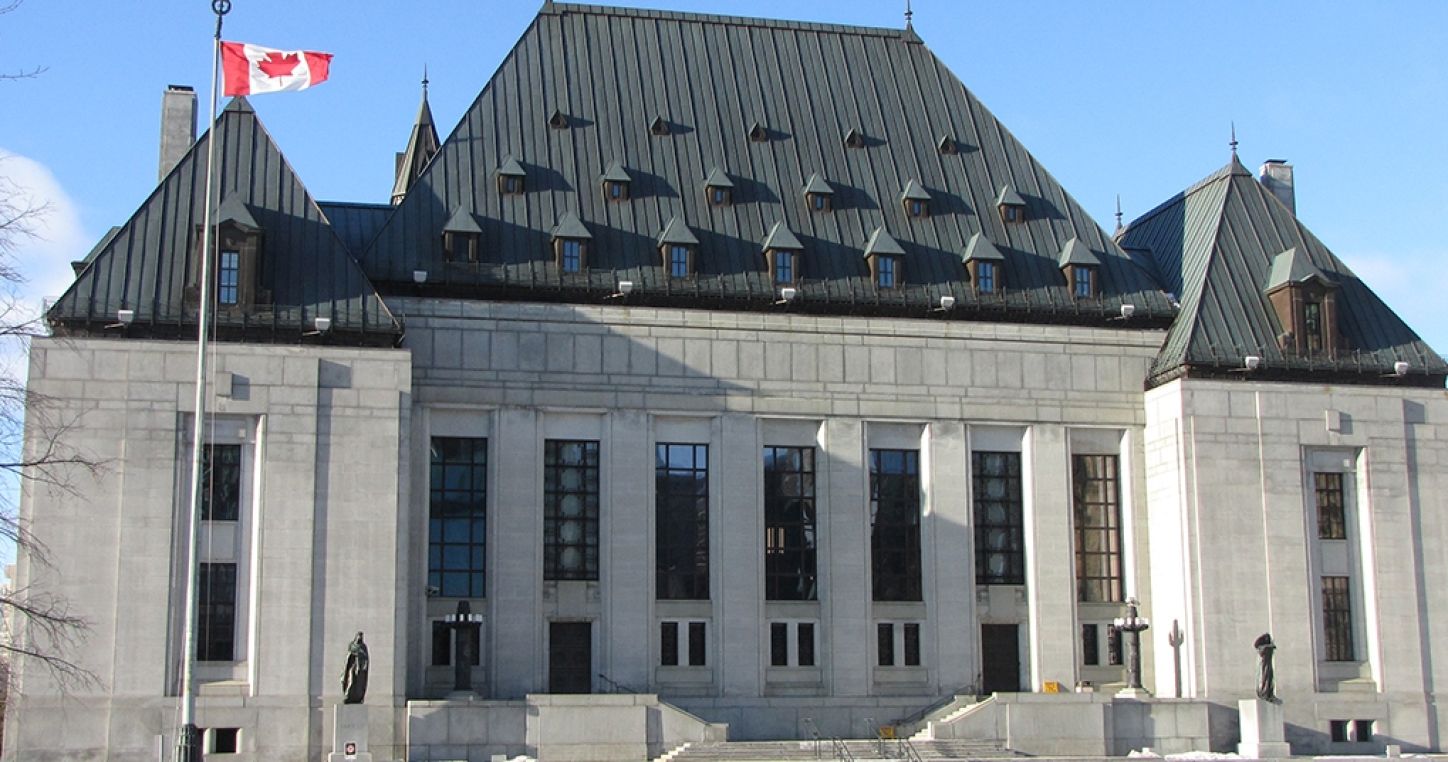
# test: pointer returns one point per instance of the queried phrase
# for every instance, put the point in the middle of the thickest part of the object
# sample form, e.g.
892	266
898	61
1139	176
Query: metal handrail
815	732
614	686
907	750
879	736
842	750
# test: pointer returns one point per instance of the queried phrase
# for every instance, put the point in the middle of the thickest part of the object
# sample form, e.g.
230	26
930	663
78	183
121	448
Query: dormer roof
1290	267
511	168
913	192
781	238
1009	197
1076	253
232	209
462	221
882	242
817	184
676	233
981	248
569	226
615	173
717	179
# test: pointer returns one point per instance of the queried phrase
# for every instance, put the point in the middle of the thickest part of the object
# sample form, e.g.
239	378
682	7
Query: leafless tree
35	71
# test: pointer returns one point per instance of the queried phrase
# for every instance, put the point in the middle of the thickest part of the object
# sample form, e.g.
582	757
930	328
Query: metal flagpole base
188	744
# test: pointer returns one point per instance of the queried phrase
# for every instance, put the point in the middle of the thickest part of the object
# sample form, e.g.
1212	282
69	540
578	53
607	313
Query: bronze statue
354	675
1266	677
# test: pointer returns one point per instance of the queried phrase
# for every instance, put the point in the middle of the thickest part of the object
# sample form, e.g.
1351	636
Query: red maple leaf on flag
278	64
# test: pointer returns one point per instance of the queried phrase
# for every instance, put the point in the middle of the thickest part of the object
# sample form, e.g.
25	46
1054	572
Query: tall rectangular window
885	644
697	644
985	277
1113	645
228	277
216	612
895	524
1081	281
805	643
1090	646
885	272
1096	486
789	524
783	266
1337	618
572	259
1331	508
912	644
669	644
457	516
778	644
681	521
220	482
1000	555
570	510
678	261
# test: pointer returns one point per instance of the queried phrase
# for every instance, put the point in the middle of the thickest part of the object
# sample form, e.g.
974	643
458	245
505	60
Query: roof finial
909	16
1234	140
1118	213
424	78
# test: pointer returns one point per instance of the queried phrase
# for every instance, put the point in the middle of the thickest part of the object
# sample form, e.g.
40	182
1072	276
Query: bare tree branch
23	73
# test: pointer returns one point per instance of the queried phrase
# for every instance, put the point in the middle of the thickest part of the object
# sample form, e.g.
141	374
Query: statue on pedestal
1266	677
354	675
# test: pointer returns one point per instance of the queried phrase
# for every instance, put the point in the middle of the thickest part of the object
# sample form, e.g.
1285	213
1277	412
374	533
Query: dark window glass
697	644
885	644
1337	730
719	196
681	517
679	261
1337	618
783	266
885	272
1098	527
669	644
895	524
570	510
1113	645
778	644
1312	323
1013	213
572	260
1090	648
806	644
819	202
1000	549
512	184
1363	729
220	482
912	644
1331	508
224	740
615	190
985	277
917	208
789	524
1081	276
457	516
216	613
228	277
441	644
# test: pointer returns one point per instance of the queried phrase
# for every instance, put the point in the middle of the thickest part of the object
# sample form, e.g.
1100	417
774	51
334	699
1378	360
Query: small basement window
224	740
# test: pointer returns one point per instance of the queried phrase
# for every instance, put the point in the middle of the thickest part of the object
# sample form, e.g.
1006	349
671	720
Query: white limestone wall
833	382
1227	481
325	429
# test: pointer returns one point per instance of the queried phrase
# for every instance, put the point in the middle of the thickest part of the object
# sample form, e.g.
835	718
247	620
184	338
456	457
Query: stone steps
788	751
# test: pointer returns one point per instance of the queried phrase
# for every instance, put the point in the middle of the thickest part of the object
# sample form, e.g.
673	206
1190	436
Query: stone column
1050	559
515	613
845	558
739	558
628	560
948	533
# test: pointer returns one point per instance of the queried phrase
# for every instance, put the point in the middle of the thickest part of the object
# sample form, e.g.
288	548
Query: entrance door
1000	658
570	657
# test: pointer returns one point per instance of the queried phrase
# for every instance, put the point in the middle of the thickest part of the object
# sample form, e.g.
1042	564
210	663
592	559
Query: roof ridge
711	18
1225	173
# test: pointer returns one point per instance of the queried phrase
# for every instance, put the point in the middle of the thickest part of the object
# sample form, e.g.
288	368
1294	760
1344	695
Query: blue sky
1129	97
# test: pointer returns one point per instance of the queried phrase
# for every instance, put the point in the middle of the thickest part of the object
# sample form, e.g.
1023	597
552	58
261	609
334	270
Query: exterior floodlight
322	324
1250	362
1400	368
947	303
126	317
1127	310
787	295
419	276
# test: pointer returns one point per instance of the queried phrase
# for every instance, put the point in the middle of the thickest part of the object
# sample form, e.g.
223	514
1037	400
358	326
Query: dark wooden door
570	657
1000	658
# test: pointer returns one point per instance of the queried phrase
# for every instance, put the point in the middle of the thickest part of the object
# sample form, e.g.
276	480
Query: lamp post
465	625
1132	625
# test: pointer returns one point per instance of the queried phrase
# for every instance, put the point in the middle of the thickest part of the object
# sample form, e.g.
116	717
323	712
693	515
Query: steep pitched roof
782	238
1217	245
422	145
149	264
611	69
882	242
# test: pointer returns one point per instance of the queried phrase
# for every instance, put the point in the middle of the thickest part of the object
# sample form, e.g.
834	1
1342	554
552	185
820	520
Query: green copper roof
569	226
461	221
1217	244
422	145
511	168
980	247
913	192
676	233
1293	267
882	242
816	184
232	209
780	237
1009	197
1076	253
615	174
718	179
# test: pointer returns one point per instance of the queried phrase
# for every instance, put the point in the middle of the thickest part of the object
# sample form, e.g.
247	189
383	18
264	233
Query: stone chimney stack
1276	176
178	125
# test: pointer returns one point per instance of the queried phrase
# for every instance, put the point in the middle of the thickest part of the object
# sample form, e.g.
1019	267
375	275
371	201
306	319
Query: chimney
1276	176
178	125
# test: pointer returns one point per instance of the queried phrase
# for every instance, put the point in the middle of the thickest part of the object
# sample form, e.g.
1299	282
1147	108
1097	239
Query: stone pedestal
349	734
1262	729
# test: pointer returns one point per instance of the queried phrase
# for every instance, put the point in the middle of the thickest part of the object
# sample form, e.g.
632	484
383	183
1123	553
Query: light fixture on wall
1400	368
625	287
947	303
419	276
1249	364
124	318
787	295
1127	310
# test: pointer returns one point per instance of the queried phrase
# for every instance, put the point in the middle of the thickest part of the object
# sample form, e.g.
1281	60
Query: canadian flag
249	69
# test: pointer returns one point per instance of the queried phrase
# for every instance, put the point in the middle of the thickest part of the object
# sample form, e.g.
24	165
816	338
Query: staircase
786	751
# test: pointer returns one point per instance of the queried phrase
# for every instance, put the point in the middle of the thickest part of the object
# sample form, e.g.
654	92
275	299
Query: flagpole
188	744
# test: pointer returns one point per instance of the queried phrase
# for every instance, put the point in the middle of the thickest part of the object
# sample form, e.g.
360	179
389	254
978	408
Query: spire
1233	144
421	146
1118	213
909	17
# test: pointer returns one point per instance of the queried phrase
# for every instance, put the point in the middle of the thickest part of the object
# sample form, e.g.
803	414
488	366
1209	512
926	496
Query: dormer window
781	255
915	200
1305	301
570	244
461	236
558	120
854	139
885	256
1012	207
818	195
984	262
757	133
510	177
616	183
718	188
947	146
677	244
659	127
236	268
1081	268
